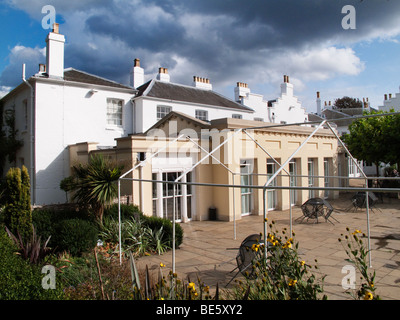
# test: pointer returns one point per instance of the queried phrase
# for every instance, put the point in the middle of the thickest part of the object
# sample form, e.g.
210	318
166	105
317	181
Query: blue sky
256	42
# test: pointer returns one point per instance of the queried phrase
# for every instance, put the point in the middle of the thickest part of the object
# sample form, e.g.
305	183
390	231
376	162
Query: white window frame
237	116
162	111
259	119
114	115
201	114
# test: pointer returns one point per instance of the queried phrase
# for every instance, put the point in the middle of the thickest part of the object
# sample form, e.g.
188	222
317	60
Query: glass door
168	197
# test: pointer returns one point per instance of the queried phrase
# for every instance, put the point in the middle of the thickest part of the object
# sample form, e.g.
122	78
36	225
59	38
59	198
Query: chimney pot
56	28
385	96
42	67
318	94
137	63
390	96
284	78
287	79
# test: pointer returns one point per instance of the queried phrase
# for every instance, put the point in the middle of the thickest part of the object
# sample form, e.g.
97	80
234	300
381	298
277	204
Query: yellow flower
255	247
162	265
191	286
355	232
302	263
292	282
287	245
368	296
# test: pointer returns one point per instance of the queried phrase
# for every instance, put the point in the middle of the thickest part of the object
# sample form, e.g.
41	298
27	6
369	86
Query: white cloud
31	57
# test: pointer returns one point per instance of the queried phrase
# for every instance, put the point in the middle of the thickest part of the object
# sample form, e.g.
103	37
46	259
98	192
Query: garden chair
359	200
314	208
245	256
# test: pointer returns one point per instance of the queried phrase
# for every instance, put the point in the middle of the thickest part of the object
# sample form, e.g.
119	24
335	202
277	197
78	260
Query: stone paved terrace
209	248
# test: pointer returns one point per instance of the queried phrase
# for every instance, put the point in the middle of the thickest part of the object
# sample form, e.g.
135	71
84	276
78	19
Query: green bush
20	280
75	236
17	210
127	211
46	221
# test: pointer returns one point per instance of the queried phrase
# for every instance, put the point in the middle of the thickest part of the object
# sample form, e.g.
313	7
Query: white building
159	96
391	102
57	107
285	109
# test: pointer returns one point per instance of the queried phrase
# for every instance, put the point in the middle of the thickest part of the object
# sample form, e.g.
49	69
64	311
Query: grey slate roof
182	93
72	74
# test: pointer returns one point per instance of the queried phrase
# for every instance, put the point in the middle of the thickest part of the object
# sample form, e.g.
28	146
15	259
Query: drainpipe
31	138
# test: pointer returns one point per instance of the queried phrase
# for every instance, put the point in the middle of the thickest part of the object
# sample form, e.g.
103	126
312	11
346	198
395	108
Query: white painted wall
391	103
286	109
67	114
146	111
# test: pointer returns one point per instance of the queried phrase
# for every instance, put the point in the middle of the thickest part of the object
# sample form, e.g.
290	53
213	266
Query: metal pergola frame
267	185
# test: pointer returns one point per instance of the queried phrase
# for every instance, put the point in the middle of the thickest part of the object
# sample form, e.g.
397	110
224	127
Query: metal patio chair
359	200
245	256
315	208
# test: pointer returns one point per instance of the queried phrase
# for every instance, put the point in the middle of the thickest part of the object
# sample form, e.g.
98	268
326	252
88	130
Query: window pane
114	112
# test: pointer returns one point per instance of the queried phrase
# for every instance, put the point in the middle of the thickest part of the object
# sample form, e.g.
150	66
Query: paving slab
209	248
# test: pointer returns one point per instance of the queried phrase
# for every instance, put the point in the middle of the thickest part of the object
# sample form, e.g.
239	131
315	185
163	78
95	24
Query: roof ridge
151	83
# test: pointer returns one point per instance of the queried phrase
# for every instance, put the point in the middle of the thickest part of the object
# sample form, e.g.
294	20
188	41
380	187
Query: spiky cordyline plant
94	184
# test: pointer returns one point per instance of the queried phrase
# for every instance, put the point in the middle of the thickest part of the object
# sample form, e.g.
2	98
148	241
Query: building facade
239	159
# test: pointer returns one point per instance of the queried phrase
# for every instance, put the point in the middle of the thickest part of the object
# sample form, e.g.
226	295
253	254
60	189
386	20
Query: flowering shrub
171	288
282	275
355	249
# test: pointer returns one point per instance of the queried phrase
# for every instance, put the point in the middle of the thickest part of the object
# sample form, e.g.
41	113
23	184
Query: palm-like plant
95	185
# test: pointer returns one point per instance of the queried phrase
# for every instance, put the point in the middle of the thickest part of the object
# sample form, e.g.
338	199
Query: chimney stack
241	91
318	103
137	74
202	83
55	53
163	75
286	87
385	96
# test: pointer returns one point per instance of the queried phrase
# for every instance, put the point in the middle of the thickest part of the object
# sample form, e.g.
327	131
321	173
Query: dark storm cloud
247	26
224	38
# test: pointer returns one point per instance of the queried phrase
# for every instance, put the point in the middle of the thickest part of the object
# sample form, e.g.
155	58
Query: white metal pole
234	211
119	221
265	223
173	230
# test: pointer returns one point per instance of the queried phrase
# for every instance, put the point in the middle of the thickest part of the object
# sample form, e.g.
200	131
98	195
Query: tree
347	102
375	139
94	184
17	198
